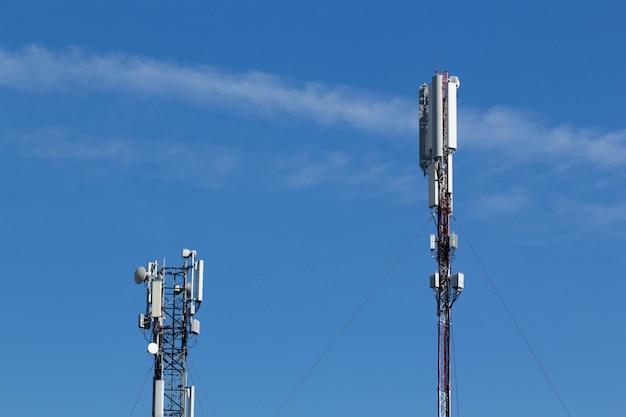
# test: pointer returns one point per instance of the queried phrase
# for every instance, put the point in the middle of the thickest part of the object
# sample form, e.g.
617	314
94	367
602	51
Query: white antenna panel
195	326
200	276
451	104
435	116
157	297
454	241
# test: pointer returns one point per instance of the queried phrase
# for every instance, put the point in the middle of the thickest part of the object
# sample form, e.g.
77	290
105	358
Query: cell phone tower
438	140
173	296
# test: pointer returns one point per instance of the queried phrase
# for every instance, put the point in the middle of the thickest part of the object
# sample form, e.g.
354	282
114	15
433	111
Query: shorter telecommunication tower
438	140
173	296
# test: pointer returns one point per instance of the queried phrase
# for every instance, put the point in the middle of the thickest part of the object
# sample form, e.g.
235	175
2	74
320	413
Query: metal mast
173	295
438	140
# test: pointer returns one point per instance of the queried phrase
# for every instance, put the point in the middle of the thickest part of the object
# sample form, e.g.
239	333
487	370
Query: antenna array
173	296
438	141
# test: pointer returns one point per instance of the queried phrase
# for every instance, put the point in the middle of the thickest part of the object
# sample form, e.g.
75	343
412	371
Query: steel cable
141	391
357	311
517	326
193	365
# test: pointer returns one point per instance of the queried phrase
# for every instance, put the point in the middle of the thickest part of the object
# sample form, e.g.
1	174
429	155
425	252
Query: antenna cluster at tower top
173	296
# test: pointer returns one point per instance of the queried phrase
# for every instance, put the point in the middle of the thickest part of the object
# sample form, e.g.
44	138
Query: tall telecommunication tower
438	139
173	296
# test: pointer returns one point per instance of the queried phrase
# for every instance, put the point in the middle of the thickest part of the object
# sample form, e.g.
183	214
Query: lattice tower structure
174	294
171	363
437	144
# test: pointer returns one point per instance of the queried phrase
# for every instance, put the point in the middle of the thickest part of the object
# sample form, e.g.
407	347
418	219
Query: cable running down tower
173	296
438	141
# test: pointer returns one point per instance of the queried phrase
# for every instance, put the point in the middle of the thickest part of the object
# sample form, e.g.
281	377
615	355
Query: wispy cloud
36	68
514	200
525	138
513	138
205	165
370	173
213	166
56	143
306	170
517	134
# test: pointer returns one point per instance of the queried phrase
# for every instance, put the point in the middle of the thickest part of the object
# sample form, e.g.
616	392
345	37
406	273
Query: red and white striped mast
438	141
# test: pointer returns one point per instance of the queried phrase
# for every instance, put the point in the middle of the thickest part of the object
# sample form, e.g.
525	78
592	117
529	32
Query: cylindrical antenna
158	398
192	401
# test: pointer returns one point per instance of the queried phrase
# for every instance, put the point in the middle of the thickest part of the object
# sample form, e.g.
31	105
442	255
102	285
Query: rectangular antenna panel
457	281
451	107
195	326
157	297
454	240
433	186
425	149
450	174
435	116
434	280
200	283
142	321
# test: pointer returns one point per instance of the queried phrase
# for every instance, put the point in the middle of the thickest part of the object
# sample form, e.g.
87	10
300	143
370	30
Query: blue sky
279	140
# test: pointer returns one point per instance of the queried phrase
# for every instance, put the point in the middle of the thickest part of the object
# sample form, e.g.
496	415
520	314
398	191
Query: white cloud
206	165
212	166
37	68
525	139
56	143
371	174
512	137
514	200
304	170
521	136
